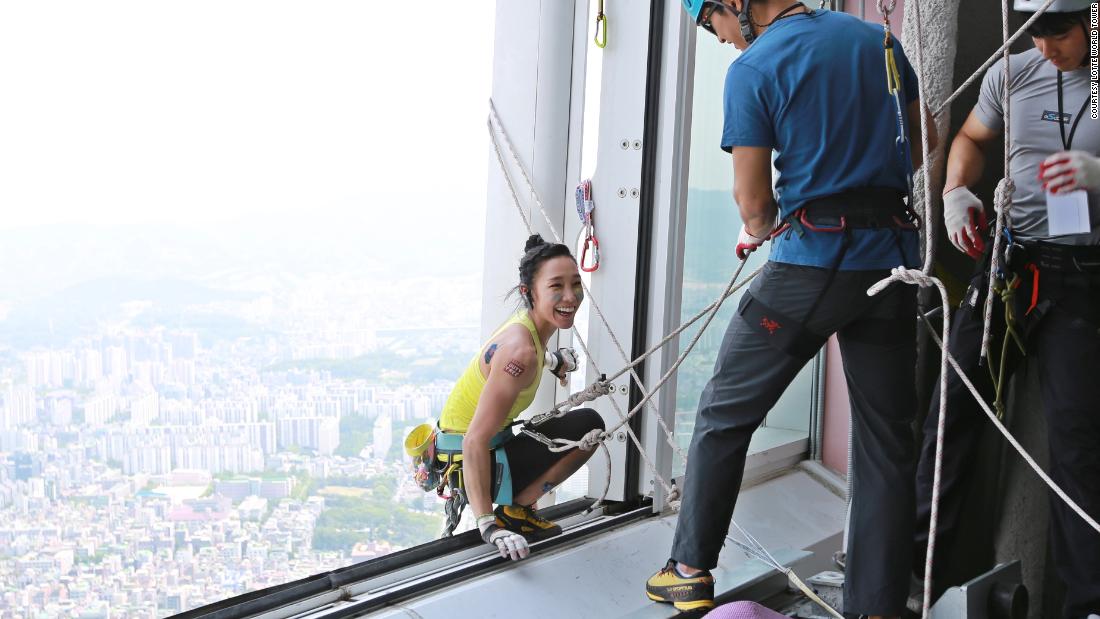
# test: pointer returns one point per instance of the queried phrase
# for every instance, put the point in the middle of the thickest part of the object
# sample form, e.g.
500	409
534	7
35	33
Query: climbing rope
1003	203
756	550
1002	197
974	77
669	436
992	415
576	332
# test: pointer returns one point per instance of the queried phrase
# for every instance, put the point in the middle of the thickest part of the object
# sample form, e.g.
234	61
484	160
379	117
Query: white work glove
1069	170
560	362
964	218
747	243
508	543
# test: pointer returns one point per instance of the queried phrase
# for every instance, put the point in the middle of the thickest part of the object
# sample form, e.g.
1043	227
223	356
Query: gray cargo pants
878	343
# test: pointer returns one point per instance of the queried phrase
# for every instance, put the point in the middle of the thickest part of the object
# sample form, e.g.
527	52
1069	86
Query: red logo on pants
769	324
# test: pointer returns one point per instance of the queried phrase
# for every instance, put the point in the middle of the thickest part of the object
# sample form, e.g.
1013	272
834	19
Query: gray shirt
1035	135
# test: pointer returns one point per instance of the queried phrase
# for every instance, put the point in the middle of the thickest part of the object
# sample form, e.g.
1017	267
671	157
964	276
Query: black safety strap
845	243
1068	143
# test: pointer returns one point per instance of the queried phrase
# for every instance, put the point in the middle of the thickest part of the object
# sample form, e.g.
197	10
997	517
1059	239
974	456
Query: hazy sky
203	112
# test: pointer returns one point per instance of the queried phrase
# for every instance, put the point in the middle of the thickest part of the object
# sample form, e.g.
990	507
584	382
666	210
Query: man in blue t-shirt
810	86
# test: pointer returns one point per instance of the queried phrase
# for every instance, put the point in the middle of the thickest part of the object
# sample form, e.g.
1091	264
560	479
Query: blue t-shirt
813	89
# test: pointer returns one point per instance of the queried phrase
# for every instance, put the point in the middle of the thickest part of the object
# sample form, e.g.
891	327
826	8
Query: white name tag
1068	213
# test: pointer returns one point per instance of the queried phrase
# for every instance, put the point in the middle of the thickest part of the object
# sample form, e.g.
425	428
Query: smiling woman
500	382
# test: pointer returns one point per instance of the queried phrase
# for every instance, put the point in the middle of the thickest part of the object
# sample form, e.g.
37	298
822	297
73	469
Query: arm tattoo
515	368
489	353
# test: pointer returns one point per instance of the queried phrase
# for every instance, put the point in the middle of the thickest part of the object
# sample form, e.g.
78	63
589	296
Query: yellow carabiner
893	76
601	34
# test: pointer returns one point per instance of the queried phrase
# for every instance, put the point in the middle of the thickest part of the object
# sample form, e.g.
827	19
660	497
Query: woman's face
557	291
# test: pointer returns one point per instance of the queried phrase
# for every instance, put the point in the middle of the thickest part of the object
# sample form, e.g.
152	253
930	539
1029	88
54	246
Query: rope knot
914	277
589	441
1002	195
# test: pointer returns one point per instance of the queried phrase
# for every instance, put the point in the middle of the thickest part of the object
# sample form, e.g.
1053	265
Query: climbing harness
445	469
1028	261
585	207
866	208
601	26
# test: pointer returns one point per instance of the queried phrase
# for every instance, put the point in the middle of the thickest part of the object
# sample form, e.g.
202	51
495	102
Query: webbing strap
448	447
451	442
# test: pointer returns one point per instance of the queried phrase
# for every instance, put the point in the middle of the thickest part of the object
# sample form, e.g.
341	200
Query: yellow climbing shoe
685	592
526	522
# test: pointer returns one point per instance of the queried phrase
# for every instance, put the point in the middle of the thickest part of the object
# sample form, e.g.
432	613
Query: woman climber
498	384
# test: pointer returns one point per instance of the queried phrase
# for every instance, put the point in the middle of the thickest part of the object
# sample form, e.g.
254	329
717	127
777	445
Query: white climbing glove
560	362
1069	170
964	218
508	543
747	243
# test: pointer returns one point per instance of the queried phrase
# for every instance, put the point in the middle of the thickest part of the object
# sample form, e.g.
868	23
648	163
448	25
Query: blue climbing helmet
693	8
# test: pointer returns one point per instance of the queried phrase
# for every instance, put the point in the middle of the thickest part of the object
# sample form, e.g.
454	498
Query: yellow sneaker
685	592
526	522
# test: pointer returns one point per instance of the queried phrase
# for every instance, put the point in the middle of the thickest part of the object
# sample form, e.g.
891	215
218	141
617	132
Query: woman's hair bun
533	241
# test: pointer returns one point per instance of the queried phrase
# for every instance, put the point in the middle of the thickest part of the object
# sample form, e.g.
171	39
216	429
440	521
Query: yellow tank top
458	412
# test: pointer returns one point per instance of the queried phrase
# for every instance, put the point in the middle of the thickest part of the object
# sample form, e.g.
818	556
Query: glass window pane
242	253
713	223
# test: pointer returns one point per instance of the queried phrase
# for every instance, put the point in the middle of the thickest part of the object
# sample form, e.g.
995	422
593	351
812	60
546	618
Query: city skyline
242	254
174	468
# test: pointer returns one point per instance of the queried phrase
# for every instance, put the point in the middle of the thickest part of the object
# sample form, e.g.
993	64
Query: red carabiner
594	243
810	226
1034	287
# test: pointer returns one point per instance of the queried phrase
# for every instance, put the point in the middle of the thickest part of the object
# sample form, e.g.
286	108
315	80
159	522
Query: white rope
669	436
1003	196
919	278
711	310
592	392
1054	487
576	332
730	289
683	327
757	551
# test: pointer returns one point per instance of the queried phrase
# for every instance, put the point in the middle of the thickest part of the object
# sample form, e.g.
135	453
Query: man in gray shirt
1054	268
